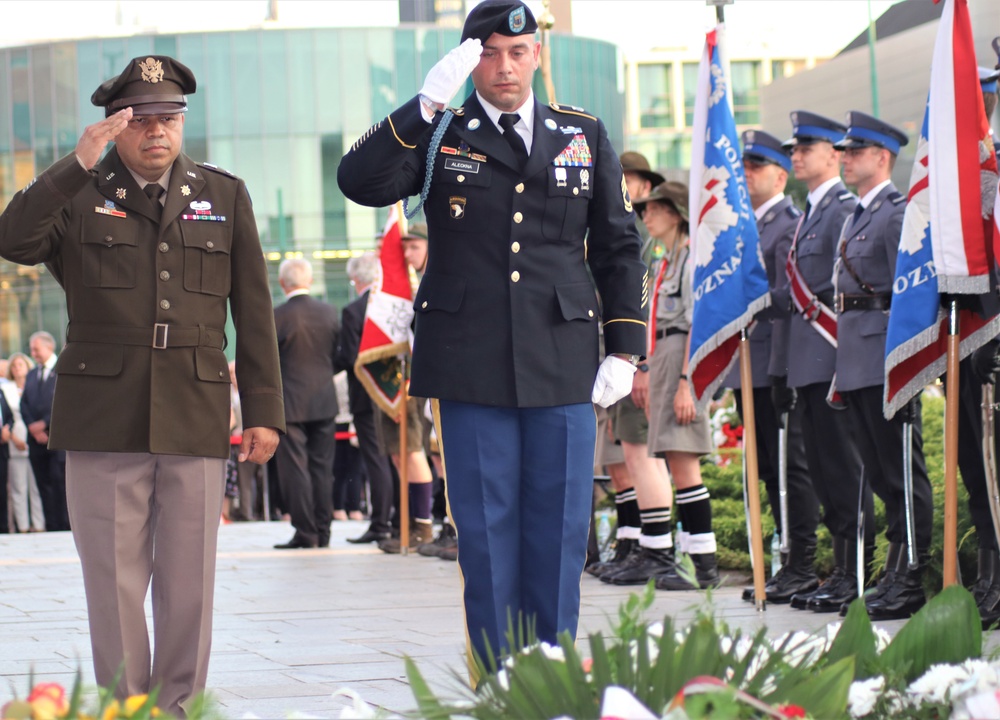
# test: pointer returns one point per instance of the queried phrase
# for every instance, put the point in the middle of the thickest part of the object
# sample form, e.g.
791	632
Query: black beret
501	17
150	85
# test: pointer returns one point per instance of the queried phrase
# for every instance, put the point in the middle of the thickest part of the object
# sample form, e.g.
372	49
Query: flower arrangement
645	671
49	701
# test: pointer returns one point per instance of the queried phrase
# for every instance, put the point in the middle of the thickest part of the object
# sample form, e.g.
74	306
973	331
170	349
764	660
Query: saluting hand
97	136
450	73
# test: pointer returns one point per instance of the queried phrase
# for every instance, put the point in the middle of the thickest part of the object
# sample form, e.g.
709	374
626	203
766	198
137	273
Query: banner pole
753	483
950	569
404	457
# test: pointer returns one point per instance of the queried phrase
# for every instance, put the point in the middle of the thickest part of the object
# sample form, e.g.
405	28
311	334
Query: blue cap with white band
808	127
866	131
762	147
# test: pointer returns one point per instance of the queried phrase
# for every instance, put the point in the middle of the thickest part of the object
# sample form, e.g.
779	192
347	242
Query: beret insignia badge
152	70
516	20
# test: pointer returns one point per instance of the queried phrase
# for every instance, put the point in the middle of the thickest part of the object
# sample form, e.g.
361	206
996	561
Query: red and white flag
957	127
386	334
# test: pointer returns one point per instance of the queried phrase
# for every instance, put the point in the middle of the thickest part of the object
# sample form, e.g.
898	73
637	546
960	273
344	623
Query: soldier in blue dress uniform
866	267
506	335
767	164
834	463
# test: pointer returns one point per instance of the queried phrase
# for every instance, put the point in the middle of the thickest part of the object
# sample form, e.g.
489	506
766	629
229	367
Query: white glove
450	73
614	381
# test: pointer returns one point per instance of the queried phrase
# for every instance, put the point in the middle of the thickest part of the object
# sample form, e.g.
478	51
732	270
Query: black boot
796	576
905	595
888	575
624	547
649	562
706	573
843	588
748	593
988	601
800	601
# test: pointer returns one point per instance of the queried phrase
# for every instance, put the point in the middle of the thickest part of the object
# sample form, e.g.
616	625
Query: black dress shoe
297	541
900	600
369	536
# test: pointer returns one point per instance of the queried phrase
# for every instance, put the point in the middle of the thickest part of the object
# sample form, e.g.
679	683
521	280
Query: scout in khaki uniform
150	247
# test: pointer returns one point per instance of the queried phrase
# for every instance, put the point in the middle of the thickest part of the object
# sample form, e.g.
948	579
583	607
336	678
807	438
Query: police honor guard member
507	319
766	166
807	358
866	268
149	248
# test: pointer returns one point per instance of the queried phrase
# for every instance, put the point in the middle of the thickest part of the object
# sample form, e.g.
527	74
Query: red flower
792	711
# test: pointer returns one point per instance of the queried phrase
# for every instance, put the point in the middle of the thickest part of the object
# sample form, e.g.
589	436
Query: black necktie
153	192
808	208
512	137
857	214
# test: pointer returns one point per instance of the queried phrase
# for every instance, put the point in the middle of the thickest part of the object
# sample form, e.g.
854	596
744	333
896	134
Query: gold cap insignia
152	70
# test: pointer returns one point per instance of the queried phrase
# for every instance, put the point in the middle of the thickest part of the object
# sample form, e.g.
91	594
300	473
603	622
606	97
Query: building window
690	91
656	109
746	92
786	68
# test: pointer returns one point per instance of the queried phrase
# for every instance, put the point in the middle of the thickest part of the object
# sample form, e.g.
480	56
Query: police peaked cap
150	85
808	127
416	231
865	131
501	17
762	147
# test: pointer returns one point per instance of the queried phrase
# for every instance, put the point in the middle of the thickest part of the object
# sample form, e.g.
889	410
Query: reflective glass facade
278	107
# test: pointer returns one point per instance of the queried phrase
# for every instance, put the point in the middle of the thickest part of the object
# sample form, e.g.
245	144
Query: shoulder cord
429	171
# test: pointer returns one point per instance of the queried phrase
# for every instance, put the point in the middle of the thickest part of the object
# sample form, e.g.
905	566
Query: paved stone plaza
293	626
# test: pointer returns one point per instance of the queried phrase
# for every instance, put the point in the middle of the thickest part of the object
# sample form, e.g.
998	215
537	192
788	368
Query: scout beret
499	16
762	147
638	164
150	85
672	193
416	231
866	131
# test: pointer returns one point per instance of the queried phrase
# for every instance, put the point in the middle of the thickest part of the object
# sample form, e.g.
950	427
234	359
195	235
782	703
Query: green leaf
855	639
427	701
945	630
824	694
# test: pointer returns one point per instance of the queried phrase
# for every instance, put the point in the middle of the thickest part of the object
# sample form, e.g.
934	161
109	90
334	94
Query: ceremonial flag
386	332
943	246
956	128
730	281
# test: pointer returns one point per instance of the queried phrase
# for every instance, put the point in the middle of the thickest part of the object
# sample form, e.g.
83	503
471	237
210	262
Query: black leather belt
880	301
826	297
660	334
160	336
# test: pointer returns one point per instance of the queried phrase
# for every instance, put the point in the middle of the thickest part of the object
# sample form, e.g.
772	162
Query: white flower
802	648
882	638
503	680
655	630
937	683
863	695
357	710
553	652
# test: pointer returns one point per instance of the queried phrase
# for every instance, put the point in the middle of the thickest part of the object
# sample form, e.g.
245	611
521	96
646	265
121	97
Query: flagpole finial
546	20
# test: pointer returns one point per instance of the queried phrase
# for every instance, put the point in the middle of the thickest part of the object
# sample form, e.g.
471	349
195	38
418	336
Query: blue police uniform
808	359
866	268
776	228
506	334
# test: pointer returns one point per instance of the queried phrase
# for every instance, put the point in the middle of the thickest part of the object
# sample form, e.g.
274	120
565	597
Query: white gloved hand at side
614	381
450	73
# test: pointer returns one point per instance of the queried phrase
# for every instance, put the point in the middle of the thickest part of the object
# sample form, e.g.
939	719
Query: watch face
643	367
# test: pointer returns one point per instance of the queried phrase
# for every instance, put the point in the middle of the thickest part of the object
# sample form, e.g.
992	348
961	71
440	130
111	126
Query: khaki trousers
139	518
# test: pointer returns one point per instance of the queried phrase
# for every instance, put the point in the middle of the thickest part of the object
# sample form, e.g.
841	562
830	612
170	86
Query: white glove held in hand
450	73
614	381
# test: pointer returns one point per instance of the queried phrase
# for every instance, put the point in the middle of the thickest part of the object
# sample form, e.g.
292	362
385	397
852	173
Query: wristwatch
642	367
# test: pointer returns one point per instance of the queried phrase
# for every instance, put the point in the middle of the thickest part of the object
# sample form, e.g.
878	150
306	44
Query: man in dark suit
767	164
307	342
506	333
152	250
362	271
6	424
48	465
866	269
804	355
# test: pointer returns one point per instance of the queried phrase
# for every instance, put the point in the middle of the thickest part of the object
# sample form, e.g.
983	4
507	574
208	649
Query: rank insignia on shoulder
846	195
625	196
572	110
793	211
30	183
897	198
216	168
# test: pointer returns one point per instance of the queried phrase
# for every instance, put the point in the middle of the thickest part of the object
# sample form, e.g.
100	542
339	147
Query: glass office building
278	107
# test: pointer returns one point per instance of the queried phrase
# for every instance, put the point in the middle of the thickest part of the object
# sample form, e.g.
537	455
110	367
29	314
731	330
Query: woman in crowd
676	431
26	503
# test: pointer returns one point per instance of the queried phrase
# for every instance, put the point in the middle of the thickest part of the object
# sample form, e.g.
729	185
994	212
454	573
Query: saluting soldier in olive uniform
506	331
149	248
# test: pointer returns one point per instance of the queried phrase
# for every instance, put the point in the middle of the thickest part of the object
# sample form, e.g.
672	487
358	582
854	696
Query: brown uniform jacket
143	369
